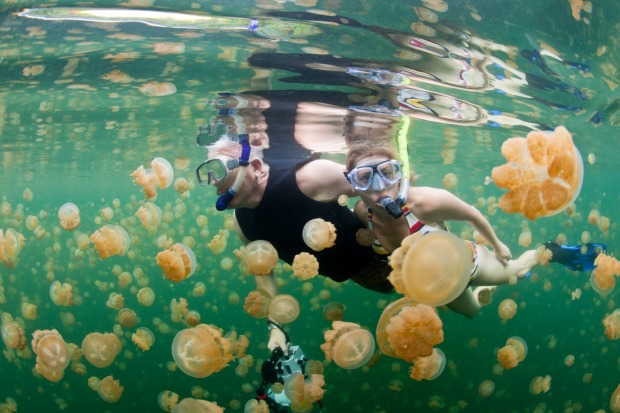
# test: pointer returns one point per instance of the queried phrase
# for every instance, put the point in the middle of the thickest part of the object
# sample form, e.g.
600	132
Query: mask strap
244	160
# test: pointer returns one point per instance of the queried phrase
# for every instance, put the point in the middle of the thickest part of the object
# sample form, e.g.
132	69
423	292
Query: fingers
277	339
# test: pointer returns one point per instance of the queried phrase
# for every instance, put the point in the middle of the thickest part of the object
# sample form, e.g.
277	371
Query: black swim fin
572	256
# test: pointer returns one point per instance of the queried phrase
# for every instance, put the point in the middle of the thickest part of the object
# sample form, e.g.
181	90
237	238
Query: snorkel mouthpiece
392	207
244	160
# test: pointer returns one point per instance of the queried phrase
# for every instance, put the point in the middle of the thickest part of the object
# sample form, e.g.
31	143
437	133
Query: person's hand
502	252
277	339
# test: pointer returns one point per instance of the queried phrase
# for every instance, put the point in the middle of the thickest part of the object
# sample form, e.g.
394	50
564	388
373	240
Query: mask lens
361	177
390	170
212	170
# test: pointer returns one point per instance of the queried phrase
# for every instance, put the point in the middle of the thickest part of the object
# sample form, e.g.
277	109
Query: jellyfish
305	266
544	173
612	325
512	353
540	384
486	388
284	308
507	309
429	367
177	262
433	269
143	338
302	393
146	296
319	234
348	345
333	311
110	240
110	390
11	243
256	406
190	405
69	216
115	301
126	317
158	88
257	303
201	351
602	278
100	349
61	293
12	333
159	175
149	215
53	354
614	401
260	257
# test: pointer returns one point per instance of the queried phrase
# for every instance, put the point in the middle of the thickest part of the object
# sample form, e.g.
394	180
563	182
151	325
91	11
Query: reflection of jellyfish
512	353
260	257
69	216
544	173
109	389
158	88
305	266
284	308
159	175
348	345
429	367
612	325
433	269
257	303
149	215
177	262
319	234
143	338
53	354
100	349
189	405
110	240
11	243
333	311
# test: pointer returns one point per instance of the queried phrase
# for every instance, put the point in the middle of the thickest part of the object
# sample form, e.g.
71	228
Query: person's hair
367	149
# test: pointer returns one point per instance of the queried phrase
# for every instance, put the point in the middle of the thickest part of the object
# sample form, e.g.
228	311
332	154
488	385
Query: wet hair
367	149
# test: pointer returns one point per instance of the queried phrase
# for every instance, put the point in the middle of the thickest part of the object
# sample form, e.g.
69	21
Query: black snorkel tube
244	160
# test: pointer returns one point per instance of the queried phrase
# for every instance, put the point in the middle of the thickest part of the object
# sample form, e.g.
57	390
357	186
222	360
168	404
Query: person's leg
466	304
491	272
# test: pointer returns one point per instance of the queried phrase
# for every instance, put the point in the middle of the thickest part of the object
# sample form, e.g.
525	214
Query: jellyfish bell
190	405
53	354
348	345
11	244
201	351
390	311
429	367
333	311
69	216
177	262
61	293
319	234
167	400
512	353
436	268
161	174
143	338
110	240
260	257
110	390
149	215
284	308
100	349
12	333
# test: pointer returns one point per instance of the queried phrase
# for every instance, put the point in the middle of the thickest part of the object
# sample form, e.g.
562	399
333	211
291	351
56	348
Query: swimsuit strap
414	224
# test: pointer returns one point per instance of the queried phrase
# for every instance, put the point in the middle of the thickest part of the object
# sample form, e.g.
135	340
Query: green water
68	134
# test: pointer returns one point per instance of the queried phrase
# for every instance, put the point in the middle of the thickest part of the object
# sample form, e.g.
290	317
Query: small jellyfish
159	175
507	309
167	400
110	390
284	308
110	240
53	354
612	325
512	353
333	311
143	338
257	303
12	333
69	216
11	244
540	384
61	293
486	388
126	317
218	243
146	296
177	262
260	257
100	349
149	215
429	367
319	234
305	266
348	345
614	401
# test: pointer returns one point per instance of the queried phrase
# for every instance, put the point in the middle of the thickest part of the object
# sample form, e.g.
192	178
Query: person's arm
323	180
437	205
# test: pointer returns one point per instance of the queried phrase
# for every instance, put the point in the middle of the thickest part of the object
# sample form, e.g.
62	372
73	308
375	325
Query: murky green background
68	134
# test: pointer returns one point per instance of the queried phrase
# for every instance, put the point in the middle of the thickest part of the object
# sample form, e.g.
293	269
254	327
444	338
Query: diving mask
375	177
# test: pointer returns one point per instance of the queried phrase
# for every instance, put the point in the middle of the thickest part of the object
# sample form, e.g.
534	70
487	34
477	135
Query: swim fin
572	257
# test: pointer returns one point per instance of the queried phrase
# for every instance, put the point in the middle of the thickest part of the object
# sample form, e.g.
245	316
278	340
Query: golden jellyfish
433	269
149	215
284	309
429	367
110	390
218	243
333	311
612	325
159	175
29	311
126	317
614	401
540	384
257	303
544	173
11	243
302	393
100	349
260	257
201	351
158	88
512	353
190	405
146	296
348	345
61	293
305	266
486	388
507	309
602	277
115	301
143	338
12	333
256	406
69	216
167	400
110	240
177	262
53	354
319	234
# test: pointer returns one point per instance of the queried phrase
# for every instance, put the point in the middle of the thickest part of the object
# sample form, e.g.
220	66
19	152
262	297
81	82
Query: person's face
381	175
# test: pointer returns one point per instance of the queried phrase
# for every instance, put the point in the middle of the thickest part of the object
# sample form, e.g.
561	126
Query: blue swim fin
572	256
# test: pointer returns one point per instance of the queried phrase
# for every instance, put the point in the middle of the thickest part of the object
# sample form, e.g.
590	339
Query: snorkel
395	207
244	160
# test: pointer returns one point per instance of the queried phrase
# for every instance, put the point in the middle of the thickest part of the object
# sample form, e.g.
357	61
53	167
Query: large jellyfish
177	262
348	345
433	269
110	240
302	393
53	354
260	257
100	349
69	216
11	243
612	325
319	234
544	173
512	353
284	308
159	175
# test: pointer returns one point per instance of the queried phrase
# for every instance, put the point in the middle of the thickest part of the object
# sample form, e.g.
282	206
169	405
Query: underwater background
78	114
